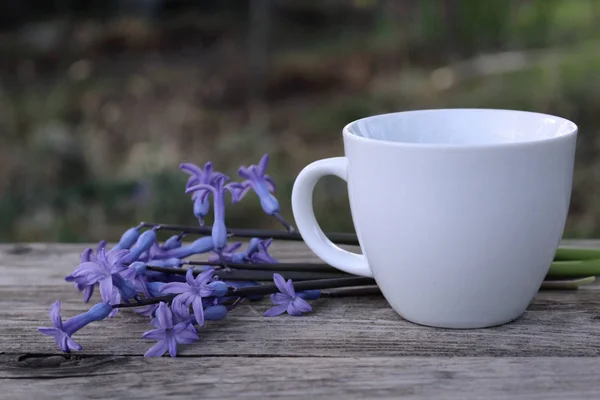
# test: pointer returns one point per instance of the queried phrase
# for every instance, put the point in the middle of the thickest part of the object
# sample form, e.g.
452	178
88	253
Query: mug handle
306	222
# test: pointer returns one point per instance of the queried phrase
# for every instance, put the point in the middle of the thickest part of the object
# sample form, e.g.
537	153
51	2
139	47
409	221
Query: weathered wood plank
301	378
556	323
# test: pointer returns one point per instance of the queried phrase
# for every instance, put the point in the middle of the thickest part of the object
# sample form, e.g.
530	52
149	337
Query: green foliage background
98	109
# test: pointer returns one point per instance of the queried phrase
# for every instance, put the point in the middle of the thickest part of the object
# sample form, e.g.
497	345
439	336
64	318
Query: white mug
458	212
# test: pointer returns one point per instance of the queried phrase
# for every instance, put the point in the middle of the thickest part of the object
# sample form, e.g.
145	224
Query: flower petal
181	312
154	334
277	310
292	311
175	287
185	298
232	247
191	169
115	257
280	283
172	347
88	267
73	345
189	277
270	184
301	305
49	331
55	315
204	277
62	342
87	293
280	298
86	255
106	290
157	350
198	310
164	316
290	288
263	164
185	333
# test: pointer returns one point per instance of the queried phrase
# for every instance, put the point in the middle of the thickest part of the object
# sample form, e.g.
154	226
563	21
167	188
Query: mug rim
347	133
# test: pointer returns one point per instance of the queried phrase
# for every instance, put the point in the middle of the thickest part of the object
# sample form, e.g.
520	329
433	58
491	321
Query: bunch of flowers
151	277
180	295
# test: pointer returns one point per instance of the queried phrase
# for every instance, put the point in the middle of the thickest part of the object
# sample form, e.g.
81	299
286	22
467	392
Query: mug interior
461	127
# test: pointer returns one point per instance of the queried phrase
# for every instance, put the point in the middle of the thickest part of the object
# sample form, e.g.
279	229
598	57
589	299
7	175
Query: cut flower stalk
565	253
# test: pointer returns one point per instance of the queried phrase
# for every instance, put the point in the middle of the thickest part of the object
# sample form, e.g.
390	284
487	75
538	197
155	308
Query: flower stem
257	275
558	269
562	253
146	302
308	267
265	289
574	269
339	238
575	254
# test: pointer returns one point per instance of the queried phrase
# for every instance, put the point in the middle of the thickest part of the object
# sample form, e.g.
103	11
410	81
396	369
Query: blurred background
100	100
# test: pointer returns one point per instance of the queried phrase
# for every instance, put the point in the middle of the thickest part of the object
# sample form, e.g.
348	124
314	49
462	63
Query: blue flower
192	292
168	334
199	176
101	269
261	255
219	232
62	332
263	186
80	282
286	300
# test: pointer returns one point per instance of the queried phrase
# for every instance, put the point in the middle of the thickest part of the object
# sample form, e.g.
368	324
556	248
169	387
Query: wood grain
300	378
346	348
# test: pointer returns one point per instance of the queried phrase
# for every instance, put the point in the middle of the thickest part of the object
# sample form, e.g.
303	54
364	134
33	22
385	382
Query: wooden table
347	348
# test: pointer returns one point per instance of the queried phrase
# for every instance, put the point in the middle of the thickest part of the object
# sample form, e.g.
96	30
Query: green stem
575	254
574	269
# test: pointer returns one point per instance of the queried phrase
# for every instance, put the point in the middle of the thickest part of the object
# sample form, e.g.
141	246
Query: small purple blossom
286	300
261	255
199	176
192	292
80	282
101	270
219	232
168	334
262	184
62	332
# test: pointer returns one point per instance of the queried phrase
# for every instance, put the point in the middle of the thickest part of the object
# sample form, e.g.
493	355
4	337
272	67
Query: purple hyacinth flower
219	232
80	282
62	332
101	270
286	300
192	292
168	334
199	176
61	337
261	255
262	184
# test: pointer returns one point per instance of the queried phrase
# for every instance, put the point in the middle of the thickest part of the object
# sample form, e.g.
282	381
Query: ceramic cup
458	212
